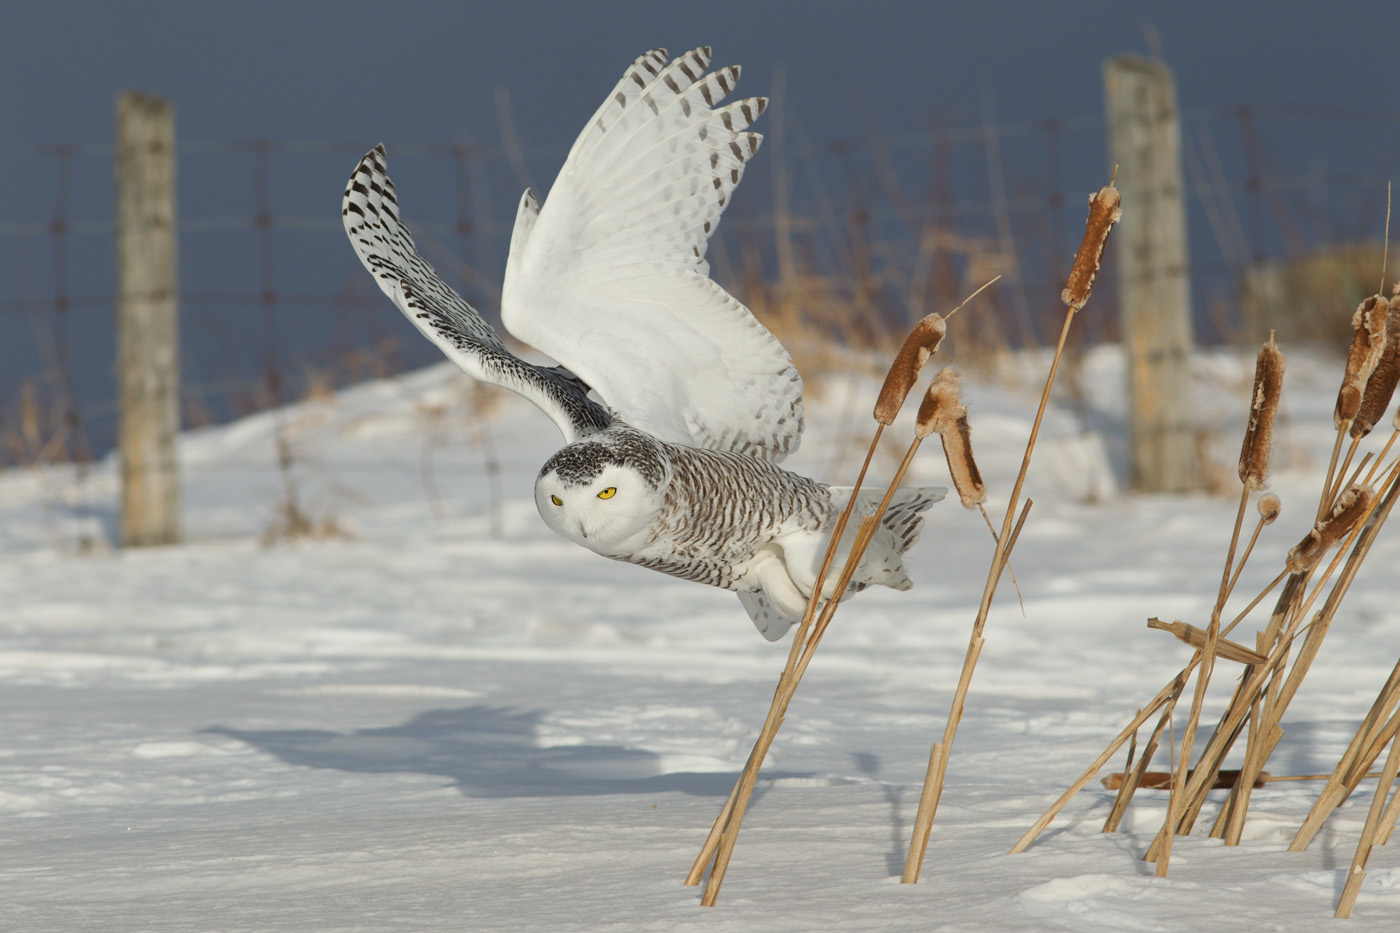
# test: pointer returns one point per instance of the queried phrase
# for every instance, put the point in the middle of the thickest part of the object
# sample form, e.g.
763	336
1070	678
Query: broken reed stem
1369	832
1196	638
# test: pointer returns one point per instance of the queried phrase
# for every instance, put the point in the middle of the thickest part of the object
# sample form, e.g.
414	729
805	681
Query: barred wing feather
609	275
370	212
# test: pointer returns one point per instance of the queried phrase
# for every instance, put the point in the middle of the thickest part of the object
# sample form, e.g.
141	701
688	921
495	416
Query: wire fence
844	241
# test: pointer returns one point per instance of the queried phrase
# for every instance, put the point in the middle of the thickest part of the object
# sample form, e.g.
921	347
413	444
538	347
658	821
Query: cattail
1269	507
1381	386
1367	345
943	413
940	399
1259	435
921	343
1325	535
1104	212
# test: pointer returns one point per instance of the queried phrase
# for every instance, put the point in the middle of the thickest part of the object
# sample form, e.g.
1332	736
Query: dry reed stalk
1164	695
1269	506
919	345
1387	826
1266	640
1167	696
1253	472
1341	781
1196	638
1260	681
1200	776
787	688
1275	698
1104	212
1369	832
1129	787
943	413
1227	731
1278	696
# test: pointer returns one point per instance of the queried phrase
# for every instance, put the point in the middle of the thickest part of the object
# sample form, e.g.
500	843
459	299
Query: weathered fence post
1154	280
148	345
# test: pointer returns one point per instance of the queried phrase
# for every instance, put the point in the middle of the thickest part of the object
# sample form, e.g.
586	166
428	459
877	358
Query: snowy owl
674	467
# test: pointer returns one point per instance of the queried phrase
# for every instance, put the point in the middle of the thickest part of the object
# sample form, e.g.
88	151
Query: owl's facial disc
610	513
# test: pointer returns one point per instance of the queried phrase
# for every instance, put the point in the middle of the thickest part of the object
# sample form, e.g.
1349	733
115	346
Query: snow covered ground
446	718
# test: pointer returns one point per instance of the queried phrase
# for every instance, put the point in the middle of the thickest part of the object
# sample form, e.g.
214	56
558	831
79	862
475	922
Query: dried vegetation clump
1353	505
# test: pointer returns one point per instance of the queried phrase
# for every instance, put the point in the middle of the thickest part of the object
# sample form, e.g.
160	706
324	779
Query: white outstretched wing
370	212
609	276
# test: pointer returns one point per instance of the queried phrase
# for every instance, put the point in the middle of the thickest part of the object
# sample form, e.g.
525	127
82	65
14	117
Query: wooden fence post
1154	279
148	343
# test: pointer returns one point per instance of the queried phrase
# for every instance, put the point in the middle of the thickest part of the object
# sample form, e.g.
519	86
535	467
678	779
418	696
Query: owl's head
603	492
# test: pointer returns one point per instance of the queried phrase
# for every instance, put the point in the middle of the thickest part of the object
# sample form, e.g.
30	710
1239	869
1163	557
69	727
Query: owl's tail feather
779	603
883	562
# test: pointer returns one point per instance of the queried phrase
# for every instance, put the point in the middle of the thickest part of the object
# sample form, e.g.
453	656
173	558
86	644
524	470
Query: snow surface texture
404	729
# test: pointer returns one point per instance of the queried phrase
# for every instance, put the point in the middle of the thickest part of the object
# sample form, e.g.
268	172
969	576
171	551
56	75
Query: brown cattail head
1104	212
943	413
1263	408
1367	345
957	447
1328	532
1269	507
921	343
1381	386
940	400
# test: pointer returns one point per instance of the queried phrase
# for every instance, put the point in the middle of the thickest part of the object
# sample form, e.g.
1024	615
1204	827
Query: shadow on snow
487	752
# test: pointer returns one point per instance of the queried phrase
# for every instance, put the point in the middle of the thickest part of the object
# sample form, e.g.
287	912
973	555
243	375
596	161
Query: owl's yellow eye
608	493
556	500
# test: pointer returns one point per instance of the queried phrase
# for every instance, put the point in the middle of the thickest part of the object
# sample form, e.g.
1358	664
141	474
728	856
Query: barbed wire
869	226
